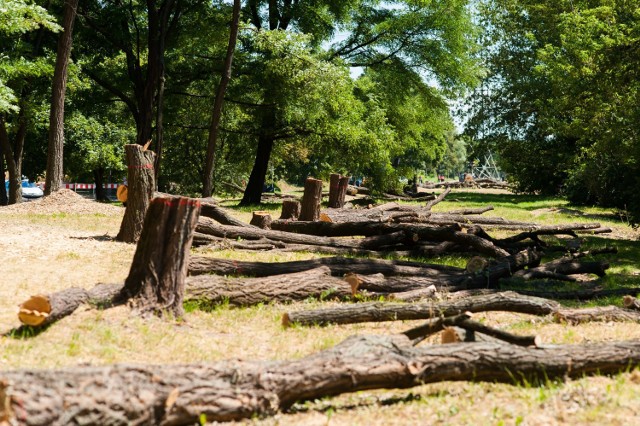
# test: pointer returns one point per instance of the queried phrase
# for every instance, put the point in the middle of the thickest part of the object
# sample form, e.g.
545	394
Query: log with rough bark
317	283
261	219
339	266
159	268
556	270
438	199
290	210
631	302
596	314
378	312
213	211
424	233
464	321
310	206
141	185
337	190
235	390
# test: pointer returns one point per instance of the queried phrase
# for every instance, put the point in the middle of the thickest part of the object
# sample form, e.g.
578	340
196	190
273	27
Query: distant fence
76	186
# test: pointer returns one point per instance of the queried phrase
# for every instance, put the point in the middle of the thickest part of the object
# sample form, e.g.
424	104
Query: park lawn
46	253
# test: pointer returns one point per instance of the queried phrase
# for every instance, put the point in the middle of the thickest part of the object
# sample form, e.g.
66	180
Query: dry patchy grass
43	253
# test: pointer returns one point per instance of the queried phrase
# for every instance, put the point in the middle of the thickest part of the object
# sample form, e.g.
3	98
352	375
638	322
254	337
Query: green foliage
561	102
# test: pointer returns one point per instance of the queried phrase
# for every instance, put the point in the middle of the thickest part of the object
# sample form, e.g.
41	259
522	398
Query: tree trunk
310	210
290	210
13	154
98	176
141	186
343	185
216	113
157	277
253	191
317	283
234	390
55	171
334	189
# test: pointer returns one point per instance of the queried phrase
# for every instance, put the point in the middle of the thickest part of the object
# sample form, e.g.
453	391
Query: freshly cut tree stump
261	219
141	183
159	269
290	210
337	190
311	199
234	390
318	283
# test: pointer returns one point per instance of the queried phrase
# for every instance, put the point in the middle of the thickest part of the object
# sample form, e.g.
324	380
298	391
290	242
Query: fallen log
558	269
438	199
378	312
338	265
219	214
214	290
234	390
598	314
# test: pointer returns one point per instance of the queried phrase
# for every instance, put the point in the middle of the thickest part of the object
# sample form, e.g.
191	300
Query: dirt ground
65	240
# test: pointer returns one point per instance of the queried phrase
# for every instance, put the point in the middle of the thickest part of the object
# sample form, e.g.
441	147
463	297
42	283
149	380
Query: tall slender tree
55	147
207	186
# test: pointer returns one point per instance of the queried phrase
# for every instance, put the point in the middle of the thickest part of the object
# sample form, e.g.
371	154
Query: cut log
317	283
212	210
233	390
631	302
378	312
598	314
464	321
339	266
159	269
566	267
261	219
310	209
290	210
141	185
438	199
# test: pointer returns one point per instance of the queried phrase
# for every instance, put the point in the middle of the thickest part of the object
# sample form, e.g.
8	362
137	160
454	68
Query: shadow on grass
325	406
24	332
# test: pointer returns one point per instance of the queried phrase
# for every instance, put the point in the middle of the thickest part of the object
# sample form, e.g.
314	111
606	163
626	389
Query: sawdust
63	201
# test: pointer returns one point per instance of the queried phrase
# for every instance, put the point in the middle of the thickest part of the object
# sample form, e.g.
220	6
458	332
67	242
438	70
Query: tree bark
290	210
310	210
141	186
55	171
213	211
157	277
98	177
234	390
378	312
334	191
261	220
216	113
253	191
13	155
199	265
215	290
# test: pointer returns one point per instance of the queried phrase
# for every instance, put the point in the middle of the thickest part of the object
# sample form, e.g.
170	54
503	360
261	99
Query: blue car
29	189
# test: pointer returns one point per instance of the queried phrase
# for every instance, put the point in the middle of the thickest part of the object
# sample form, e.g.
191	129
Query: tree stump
141	185
261	220
157	277
334	181
290	210
343	184
311	199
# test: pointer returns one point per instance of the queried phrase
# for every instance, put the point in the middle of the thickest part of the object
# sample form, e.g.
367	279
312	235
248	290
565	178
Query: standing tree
55	148
207	186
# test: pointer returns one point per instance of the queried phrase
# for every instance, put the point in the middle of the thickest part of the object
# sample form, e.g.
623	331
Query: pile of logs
475	183
234	390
